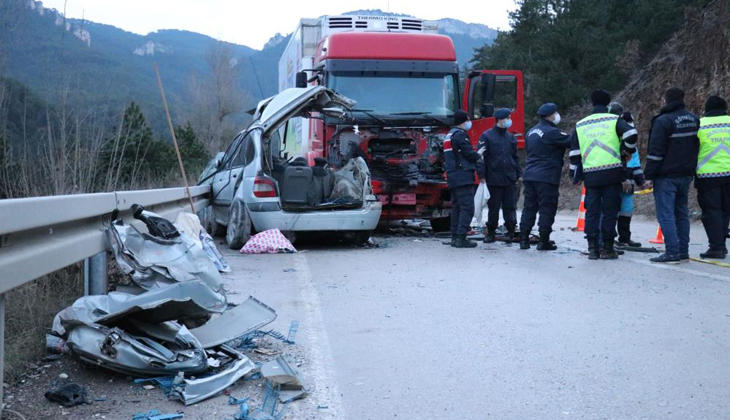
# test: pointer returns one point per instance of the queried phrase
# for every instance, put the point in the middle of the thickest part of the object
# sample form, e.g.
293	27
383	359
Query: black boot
608	252
453	241
593	252
491	236
624	233
510	236
715	255
525	239
545	243
462	242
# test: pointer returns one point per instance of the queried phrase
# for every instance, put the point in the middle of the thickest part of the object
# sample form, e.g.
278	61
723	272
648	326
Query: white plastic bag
481	211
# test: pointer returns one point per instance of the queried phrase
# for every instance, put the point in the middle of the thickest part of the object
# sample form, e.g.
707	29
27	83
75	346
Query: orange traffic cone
659	237
581	224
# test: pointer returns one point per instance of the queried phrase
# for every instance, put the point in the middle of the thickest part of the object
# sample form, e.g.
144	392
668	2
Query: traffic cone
659	240
581	224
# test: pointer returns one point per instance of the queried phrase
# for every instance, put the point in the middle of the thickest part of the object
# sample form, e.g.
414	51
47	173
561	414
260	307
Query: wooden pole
174	139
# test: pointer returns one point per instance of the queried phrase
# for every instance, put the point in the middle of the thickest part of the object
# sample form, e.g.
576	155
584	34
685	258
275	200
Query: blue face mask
508	124
467	126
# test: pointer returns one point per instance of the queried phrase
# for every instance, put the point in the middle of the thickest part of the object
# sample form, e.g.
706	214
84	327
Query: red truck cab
407	87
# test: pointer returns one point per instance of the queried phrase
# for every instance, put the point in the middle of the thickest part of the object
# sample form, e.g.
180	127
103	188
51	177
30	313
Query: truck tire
441	224
239	226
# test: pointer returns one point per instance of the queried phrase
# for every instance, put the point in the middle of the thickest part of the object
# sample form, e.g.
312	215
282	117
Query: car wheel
357	238
207	221
239	226
441	224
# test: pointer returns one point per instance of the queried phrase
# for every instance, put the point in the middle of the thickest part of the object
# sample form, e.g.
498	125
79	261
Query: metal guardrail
43	234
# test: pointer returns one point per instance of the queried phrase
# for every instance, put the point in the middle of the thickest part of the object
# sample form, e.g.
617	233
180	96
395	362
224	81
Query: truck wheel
239	226
207	221
441	224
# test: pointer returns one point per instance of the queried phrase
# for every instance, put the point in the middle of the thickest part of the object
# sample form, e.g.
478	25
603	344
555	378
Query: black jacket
498	149
718	181
673	143
545	145
460	158
628	137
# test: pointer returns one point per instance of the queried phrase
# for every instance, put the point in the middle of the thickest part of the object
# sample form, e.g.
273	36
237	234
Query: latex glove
627	187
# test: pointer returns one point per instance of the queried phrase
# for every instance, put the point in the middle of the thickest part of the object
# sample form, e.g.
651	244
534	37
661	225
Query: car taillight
264	187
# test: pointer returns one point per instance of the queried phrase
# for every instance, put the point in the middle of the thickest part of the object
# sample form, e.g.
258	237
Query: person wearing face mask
461	164
545	145
597	144
498	149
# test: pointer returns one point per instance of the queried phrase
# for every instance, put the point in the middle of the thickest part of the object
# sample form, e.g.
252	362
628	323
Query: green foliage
134	157
192	151
567	48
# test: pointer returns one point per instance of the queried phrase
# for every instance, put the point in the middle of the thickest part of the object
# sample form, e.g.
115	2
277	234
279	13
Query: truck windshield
390	94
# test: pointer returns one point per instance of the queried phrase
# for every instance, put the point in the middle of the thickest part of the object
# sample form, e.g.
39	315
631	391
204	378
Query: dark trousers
504	198
671	196
602	207
715	205
540	197
462	209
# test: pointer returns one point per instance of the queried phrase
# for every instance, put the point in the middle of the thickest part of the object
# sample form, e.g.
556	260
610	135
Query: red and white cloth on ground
270	241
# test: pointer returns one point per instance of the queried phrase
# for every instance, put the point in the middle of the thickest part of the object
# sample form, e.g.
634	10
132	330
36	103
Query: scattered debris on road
177	329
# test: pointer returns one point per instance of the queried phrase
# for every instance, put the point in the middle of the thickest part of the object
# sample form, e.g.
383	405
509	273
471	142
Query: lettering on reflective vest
714	157
599	143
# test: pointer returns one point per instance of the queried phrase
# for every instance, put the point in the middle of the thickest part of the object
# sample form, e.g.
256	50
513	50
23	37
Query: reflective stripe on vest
600	146
714	158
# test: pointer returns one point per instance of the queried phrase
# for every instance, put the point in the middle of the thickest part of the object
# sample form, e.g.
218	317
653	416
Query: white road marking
321	363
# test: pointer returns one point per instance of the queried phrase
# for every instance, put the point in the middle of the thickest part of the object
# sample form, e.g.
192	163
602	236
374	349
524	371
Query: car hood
297	101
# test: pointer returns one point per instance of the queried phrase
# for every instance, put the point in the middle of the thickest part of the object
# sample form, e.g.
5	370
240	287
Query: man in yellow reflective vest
713	175
595	158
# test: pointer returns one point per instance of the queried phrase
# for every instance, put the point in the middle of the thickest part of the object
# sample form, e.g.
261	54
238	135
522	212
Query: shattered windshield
393	95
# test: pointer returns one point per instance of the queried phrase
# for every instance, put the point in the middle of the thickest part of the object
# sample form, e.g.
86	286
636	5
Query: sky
241	22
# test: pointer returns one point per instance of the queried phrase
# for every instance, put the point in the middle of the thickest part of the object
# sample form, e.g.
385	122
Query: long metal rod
2	352
174	139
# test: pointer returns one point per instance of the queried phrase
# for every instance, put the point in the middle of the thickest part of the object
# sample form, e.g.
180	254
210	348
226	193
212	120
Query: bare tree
217	97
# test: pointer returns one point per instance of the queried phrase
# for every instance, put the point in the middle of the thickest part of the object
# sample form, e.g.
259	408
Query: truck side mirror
301	81
486	110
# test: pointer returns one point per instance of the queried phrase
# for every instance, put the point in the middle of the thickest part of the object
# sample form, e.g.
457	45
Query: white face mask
467	125
556	120
507	123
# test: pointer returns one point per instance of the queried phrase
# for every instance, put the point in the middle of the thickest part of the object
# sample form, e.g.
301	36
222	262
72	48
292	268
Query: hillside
105	65
696	58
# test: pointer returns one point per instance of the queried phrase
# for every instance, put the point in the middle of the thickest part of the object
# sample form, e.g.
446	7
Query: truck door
486	91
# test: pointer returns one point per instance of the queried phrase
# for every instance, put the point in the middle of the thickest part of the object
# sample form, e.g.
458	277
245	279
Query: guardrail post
2	352
95	274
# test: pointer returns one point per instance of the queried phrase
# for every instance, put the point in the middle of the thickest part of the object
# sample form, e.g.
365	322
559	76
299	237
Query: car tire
358	237
207	221
238	231
441	224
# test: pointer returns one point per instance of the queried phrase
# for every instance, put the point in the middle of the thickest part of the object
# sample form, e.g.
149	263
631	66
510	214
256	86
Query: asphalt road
417	330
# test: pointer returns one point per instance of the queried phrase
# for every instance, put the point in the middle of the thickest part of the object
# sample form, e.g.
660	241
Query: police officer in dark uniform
461	163
545	145
498	149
